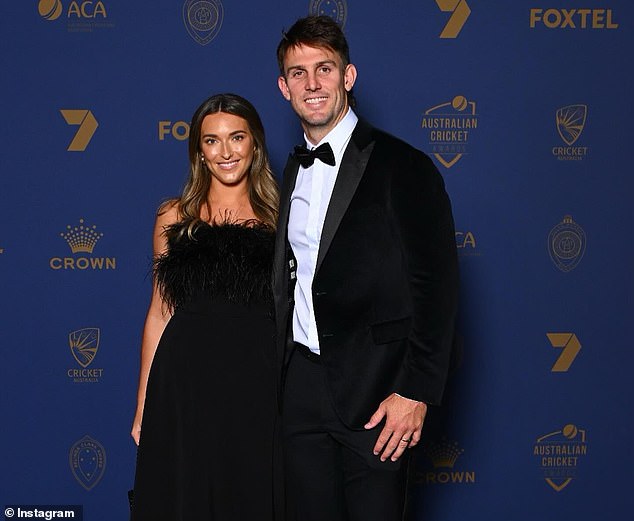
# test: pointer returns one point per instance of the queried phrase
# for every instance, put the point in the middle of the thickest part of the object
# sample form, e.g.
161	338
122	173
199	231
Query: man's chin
316	122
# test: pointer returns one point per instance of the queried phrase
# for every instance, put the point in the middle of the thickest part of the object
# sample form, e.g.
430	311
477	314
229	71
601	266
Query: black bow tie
307	157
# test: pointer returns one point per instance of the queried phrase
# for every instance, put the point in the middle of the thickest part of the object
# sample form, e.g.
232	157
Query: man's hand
402	428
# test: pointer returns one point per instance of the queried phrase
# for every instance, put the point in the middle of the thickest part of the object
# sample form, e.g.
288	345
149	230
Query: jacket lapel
353	164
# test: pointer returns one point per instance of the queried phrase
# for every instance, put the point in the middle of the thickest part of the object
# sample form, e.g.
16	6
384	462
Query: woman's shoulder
168	213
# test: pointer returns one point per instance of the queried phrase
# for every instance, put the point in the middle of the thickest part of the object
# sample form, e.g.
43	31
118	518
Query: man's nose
312	82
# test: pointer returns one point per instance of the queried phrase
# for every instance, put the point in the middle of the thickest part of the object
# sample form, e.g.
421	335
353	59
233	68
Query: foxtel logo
573	18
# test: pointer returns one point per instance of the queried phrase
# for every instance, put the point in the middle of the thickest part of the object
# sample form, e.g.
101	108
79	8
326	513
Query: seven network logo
87	126
459	10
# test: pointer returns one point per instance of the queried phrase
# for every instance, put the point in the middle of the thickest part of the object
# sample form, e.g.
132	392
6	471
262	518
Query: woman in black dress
206	411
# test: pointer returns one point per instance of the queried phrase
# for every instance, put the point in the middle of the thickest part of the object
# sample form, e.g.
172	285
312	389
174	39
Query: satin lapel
350	173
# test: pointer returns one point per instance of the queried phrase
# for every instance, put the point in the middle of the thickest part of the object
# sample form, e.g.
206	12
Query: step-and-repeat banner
526	108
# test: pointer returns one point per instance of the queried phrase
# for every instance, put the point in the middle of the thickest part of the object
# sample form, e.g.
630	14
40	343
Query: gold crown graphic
443	453
81	238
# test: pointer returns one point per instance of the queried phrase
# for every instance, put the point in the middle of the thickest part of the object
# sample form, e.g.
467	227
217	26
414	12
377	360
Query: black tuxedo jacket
386	283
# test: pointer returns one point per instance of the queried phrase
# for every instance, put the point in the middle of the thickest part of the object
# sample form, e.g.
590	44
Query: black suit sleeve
422	213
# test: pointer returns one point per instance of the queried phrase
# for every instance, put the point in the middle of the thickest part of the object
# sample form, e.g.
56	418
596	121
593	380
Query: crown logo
81	238
443	454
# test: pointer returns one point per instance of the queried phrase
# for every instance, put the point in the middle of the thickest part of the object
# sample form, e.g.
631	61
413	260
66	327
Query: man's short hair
314	31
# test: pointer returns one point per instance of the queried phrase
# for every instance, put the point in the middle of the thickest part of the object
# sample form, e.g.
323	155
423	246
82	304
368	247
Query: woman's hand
136	428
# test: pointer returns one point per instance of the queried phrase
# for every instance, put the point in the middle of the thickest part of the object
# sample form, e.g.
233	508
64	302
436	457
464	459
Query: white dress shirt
309	203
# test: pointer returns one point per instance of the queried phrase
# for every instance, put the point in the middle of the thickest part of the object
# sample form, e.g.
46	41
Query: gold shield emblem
84	344
570	122
203	19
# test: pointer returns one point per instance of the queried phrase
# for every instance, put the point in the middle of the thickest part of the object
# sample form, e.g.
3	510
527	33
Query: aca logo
87	127
84	344
50	9
466	244
570	122
336	9
459	10
178	130
572	18
443	456
450	125
87	459
81	15
570	346
203	19
81	240
566	244
559	454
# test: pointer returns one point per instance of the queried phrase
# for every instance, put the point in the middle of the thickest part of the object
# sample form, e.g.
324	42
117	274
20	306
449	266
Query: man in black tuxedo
365	292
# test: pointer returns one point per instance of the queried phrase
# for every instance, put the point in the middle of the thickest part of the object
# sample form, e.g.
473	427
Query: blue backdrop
524	106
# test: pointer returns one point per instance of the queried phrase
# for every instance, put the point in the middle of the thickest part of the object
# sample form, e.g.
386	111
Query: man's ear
349	77
281	83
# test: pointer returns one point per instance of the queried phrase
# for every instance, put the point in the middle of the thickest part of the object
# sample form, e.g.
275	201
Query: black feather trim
230	261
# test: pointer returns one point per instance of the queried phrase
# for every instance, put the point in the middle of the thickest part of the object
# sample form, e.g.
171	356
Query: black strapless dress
208	441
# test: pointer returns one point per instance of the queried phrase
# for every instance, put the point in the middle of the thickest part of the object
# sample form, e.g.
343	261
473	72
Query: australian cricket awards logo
81	240
450	126
336	9
566	244
203	19
570	122
443	456
87	459
559	454
84	344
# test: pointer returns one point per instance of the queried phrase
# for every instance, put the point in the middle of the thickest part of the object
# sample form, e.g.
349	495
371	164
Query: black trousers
331	472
